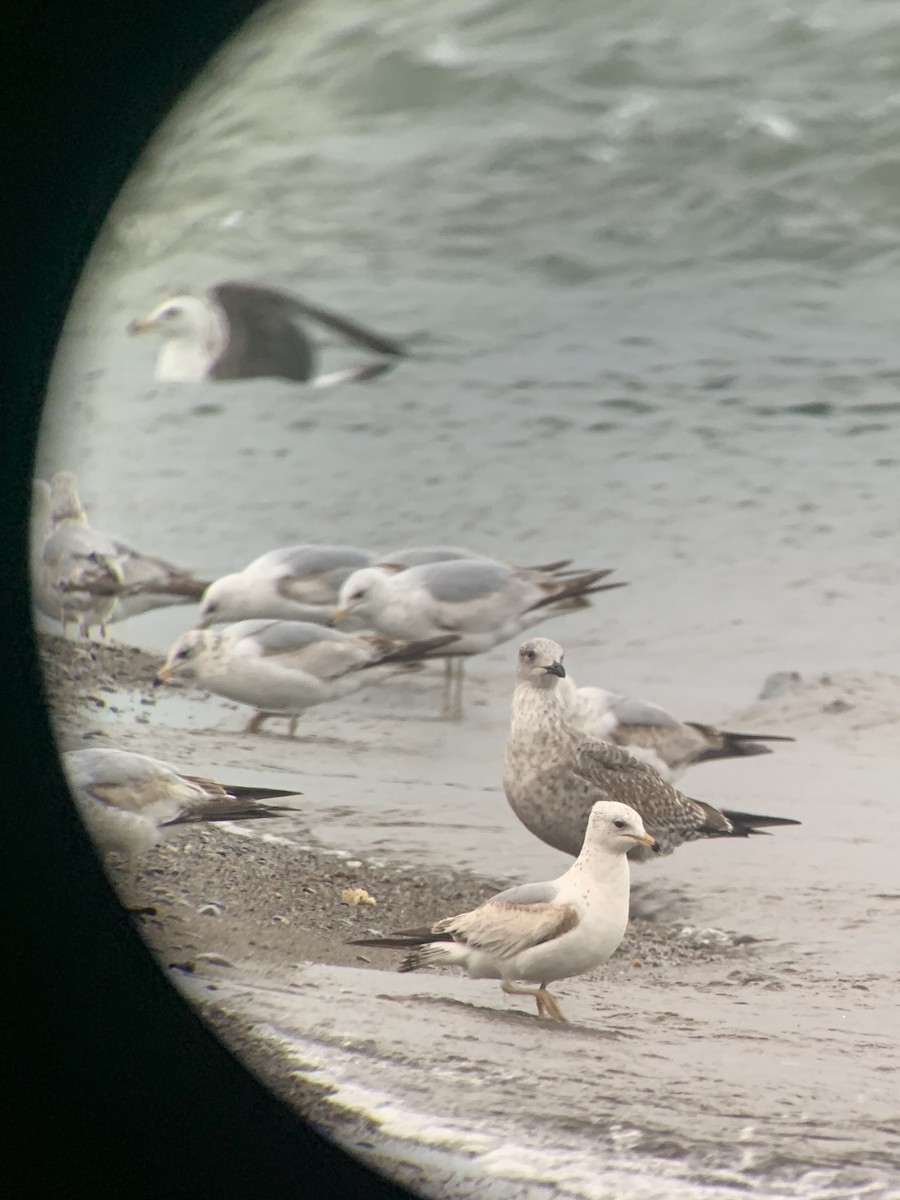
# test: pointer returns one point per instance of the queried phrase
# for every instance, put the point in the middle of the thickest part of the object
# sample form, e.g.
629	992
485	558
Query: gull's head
65	503
617	828
360	593
218	603
178	316
183	657
540	662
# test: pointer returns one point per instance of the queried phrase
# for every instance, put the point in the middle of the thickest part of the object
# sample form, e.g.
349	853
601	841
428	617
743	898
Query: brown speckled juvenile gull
541	932
131	802
654	735
554	773
484	601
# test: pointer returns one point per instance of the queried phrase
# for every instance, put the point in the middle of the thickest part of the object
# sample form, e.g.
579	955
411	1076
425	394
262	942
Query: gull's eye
210	608
359	595
528	655
172	311
619	823
184	652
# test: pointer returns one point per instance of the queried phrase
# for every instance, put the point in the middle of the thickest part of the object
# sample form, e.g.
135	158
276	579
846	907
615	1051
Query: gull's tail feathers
723	743
747	824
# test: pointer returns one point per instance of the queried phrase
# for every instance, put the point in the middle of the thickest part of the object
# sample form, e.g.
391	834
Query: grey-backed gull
485	601
282	668
541	932
654	735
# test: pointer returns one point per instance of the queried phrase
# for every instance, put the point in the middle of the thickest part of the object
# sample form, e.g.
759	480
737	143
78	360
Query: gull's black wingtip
747	824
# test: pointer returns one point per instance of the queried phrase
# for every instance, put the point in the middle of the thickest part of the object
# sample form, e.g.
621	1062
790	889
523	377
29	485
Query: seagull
484	601
248	331
73	555
130	802
554	773
541	932
294	583
281	668
654	735
81	573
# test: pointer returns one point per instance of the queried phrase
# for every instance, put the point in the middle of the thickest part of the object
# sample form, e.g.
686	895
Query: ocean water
647	260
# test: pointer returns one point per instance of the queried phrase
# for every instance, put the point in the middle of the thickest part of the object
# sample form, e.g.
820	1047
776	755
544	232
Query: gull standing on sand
554	773
294	583
83	574
130	802
542	932
73	555
282	668
484	601
654	735
246	331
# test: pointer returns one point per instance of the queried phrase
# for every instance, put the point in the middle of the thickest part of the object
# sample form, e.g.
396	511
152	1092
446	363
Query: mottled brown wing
506	929
617	775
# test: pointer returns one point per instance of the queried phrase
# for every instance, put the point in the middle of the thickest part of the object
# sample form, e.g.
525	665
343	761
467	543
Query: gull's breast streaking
249	331
554	773
541	932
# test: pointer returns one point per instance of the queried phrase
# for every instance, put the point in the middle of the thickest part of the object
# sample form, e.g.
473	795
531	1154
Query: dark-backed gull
246	331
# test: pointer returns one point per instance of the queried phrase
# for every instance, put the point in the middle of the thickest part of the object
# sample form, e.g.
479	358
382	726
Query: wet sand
739	1039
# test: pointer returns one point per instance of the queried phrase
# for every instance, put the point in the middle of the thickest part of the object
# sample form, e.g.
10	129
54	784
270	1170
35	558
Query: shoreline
707	1048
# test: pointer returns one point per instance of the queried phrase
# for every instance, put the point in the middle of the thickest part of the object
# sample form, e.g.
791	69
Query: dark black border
112	1087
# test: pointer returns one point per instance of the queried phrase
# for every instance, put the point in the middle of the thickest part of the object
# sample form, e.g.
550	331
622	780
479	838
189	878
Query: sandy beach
644	261
738	1038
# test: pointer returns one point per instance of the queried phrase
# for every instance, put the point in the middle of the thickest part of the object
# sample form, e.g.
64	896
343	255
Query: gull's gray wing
263	337
308	648
265	315
280	637
464	580
317	572
130	782
139	784
528	893
629	711
418	556
287	302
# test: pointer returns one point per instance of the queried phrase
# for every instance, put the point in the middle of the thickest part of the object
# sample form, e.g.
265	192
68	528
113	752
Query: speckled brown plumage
554	773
